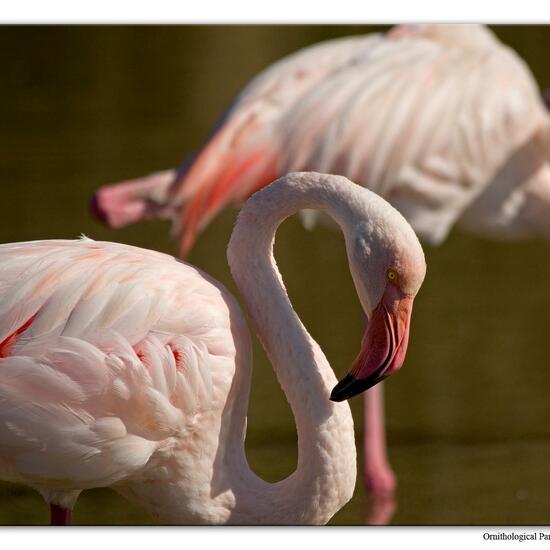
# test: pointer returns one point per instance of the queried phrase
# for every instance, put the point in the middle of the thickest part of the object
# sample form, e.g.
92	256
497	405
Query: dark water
468	417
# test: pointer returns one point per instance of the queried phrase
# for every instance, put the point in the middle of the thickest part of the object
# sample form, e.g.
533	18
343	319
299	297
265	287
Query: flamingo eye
392	275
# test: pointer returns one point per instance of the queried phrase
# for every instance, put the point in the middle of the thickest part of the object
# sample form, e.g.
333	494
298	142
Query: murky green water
469	415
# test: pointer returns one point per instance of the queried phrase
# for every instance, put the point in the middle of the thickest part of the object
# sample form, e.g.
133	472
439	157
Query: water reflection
380	509
468	417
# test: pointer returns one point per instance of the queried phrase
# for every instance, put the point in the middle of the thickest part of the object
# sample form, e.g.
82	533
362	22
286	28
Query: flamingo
444	121
126	368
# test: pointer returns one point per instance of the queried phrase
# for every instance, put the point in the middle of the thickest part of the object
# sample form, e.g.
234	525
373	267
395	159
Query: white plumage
121	355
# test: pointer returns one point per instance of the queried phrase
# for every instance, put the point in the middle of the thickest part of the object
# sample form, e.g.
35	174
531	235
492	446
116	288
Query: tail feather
127	202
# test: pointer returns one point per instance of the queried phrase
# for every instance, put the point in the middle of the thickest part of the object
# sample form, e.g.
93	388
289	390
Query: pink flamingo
444	121
125	368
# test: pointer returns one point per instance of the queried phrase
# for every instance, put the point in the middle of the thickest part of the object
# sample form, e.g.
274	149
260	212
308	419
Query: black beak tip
350	386
336	394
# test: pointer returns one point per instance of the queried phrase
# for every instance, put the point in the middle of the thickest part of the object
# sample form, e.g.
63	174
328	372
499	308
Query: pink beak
383	346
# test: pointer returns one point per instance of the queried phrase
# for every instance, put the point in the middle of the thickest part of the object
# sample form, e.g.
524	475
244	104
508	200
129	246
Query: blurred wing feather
422	122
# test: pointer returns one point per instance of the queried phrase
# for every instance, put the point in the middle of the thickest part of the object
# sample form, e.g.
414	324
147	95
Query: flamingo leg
378	474
59	515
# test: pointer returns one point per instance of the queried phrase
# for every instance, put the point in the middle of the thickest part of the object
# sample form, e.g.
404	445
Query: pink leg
379	477
59	515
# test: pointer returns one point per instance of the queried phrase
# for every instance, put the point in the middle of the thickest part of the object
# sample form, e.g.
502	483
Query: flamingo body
126	368
431	117
129	355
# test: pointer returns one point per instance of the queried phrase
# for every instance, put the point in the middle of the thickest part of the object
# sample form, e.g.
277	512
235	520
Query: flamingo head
388	267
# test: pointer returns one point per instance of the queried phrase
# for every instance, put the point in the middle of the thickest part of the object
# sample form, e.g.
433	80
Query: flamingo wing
244	151
425	123
109	355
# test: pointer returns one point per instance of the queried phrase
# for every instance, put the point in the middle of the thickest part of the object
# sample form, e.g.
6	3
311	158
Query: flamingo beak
383	346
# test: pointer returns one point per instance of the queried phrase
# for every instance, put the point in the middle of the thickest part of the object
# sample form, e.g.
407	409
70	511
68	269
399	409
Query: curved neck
325	476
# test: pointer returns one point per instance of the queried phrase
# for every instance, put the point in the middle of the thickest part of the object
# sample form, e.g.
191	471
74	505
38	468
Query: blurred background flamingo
444	121
429	116
123	367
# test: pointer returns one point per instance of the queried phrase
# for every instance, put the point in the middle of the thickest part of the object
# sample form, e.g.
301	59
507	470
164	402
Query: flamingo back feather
108	358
